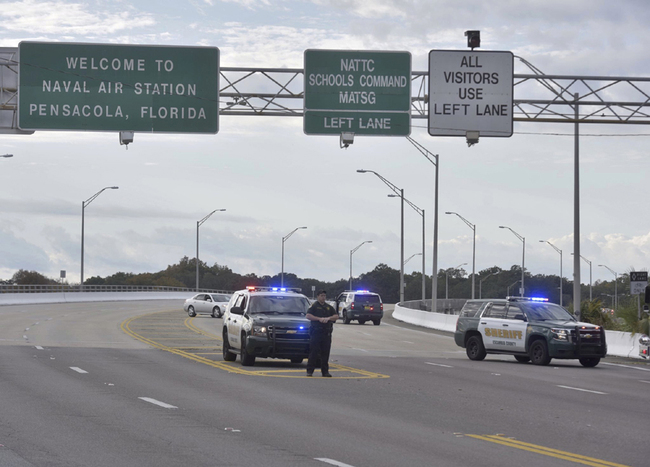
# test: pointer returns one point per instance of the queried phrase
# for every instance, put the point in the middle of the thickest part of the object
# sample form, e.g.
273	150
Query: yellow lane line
228	366
547	451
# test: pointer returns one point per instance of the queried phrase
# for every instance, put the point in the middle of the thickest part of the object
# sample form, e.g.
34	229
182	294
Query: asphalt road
142	384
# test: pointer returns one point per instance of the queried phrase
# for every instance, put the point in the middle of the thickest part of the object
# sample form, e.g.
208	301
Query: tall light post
351	253
615	286
421	213
473	227
523	256
83	210
447	280
589	263
399	192
480	284
560	252
198	224
284	239
434	159
508	292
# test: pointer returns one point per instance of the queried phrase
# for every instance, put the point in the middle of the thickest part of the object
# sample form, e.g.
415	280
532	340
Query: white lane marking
332	462
625	366
583	390
156	402
24	336
38	347
26	329
439	364
641	381
409	342
361	350
78	370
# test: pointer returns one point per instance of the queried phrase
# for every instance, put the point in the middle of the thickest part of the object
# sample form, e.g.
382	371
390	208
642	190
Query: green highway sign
106	87
358	91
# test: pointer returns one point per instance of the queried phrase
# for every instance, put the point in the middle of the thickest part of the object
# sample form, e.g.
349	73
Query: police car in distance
266	322
531	329
360	305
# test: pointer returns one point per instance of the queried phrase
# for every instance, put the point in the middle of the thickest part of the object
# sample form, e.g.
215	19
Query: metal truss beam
278	92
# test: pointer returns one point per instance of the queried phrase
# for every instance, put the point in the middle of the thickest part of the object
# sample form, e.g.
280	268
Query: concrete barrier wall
619	344
75	297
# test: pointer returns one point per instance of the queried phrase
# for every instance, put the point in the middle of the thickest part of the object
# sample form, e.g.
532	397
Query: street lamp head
449	212
361	171
503	227
302	227
7	155
114	188
544	241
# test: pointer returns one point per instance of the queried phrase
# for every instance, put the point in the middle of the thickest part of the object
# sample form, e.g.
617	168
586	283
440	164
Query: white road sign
470	91
638	282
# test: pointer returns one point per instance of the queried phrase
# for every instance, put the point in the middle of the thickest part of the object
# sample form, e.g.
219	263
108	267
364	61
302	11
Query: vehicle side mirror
236	310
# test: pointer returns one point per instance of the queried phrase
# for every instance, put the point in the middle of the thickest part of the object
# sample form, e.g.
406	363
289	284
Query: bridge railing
66	288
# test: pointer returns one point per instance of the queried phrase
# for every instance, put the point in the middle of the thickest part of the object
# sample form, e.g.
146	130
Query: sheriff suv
266	322
531	329
360	305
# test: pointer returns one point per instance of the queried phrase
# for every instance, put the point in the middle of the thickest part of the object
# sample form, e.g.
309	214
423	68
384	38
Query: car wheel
246	358
589	362
376	322
227	354
346	320
216	312
475	348
362	321
296	360
191	312
539	353
522	358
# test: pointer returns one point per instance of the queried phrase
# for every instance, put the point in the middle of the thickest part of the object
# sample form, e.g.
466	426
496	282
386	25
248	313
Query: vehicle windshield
279	304
366	298
546	312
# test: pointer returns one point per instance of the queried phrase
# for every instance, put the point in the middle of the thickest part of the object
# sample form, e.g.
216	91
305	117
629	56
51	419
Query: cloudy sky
272	178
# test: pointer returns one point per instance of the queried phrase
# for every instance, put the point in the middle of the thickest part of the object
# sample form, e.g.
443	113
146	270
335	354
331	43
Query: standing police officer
322	317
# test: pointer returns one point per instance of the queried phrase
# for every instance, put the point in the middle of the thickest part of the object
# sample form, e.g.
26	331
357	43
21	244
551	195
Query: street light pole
508	292
83	209
399	192
447	280
421	213
198	224
351	253
615	287
435	160
560	252
284	239
523	256
480	284
473	227
589	263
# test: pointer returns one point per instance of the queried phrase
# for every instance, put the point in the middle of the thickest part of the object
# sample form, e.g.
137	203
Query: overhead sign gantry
105	87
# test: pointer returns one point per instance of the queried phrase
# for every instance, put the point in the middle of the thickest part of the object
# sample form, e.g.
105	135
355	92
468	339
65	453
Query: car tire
191	312
376	322
216	312
362	321
297	360
346	320
246	358
589	362
475	349
539	353
227	354
522	358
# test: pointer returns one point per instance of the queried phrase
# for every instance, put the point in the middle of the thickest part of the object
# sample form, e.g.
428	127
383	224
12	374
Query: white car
213	304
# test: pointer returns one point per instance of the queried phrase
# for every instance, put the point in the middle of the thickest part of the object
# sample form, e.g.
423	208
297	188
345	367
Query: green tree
24	277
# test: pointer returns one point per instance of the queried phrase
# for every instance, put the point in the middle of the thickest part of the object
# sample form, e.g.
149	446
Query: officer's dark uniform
320	337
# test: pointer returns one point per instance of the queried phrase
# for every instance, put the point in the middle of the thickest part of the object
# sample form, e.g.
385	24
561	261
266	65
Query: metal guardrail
450	306
65	288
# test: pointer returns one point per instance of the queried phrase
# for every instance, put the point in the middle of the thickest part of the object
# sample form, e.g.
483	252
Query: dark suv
360	305
528	328
268	323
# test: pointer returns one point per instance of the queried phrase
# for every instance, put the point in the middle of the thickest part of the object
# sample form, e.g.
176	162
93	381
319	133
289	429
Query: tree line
492	282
